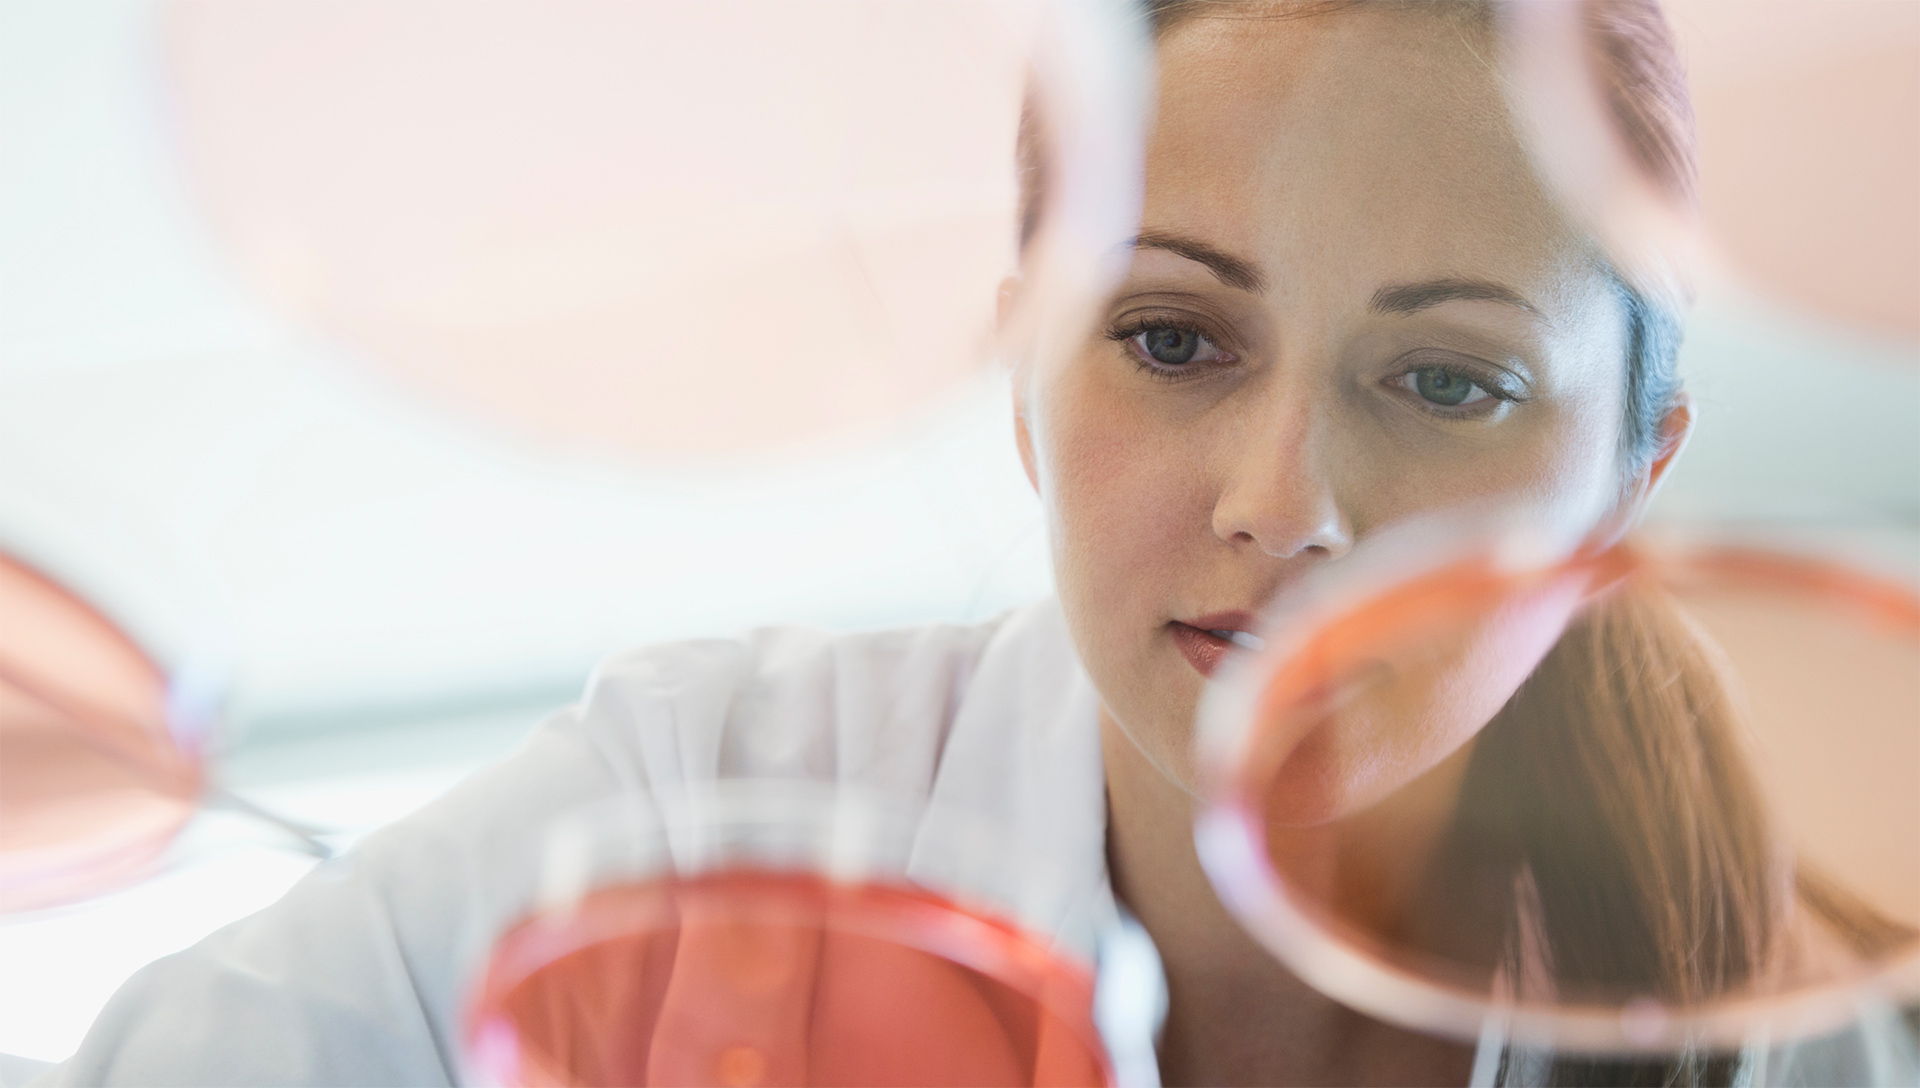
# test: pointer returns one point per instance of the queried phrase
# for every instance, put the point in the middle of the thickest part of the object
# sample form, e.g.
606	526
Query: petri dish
1650	803
1798	198
665	229
770	934
99	767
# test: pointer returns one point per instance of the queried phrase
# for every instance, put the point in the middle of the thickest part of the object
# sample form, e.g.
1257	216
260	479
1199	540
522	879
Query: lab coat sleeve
357	976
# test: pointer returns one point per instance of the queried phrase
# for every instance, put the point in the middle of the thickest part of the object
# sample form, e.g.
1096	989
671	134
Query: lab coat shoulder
874	708
359	974
356	975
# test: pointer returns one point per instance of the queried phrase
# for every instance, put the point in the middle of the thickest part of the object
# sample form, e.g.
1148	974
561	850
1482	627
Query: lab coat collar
1022	769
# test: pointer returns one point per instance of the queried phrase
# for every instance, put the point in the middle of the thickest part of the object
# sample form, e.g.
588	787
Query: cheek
1575	464
1121	488
1558	463
1125	492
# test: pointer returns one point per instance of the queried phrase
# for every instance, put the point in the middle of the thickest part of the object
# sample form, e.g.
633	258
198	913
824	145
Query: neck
1235	1016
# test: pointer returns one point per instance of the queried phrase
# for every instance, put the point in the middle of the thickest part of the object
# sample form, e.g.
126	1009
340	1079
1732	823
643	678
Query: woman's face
1350	302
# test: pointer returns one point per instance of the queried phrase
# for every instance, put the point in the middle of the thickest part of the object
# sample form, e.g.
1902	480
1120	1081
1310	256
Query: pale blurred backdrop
396	587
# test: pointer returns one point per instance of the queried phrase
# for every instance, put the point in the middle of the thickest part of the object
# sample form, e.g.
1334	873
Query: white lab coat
358	975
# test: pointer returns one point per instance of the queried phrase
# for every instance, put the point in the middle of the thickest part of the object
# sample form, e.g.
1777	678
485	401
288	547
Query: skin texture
1336	160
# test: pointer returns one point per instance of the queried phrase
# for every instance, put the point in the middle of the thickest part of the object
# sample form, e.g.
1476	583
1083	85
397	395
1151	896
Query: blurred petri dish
97	774
1806	117
1654	802
1606	123
661	227
797	953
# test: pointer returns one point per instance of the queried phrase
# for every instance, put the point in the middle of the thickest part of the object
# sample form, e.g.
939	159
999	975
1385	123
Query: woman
1351	301
1362	308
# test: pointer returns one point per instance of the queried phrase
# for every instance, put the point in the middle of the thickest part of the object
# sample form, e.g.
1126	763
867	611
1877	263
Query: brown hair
1615	780
1655	874
1613	786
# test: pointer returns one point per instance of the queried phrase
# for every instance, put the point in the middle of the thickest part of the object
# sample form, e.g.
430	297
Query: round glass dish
101	752
1650	802
758	933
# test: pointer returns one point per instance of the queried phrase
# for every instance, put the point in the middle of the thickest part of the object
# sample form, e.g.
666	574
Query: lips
1205	641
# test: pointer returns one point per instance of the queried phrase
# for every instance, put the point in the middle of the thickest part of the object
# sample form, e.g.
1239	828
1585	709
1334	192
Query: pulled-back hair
1644	85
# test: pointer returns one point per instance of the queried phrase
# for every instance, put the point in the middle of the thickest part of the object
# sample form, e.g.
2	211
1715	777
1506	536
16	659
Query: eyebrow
1226	267
1411	298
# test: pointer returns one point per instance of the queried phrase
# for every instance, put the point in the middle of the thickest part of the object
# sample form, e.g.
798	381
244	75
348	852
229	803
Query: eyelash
1123	333
1496	396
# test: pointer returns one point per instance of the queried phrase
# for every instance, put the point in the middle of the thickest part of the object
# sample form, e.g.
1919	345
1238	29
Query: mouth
1207	640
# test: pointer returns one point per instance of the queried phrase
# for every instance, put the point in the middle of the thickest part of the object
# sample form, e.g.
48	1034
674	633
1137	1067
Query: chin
1161	730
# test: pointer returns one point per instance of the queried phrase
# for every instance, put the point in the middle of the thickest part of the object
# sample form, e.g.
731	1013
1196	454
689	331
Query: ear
1003	306
1004	310
1676	427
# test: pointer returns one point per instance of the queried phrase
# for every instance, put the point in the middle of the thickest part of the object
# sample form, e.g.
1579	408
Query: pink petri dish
1812	663
96	775
752	976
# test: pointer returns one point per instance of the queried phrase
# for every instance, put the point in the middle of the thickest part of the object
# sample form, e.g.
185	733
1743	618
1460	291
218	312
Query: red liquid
746	977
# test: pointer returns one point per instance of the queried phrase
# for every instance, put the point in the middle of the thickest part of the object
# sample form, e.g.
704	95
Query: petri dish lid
1649	798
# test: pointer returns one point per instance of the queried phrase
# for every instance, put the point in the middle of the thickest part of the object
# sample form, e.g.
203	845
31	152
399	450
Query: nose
1278	495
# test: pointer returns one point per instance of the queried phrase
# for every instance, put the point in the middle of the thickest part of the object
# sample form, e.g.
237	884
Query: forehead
1367	146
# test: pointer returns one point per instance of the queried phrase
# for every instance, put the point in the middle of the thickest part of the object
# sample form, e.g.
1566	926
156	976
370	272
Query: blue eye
1172	347
1446	388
